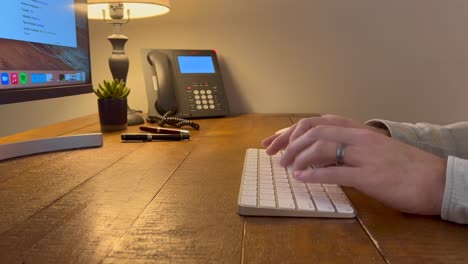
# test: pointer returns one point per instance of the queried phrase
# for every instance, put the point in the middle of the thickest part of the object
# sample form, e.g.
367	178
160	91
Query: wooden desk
175	202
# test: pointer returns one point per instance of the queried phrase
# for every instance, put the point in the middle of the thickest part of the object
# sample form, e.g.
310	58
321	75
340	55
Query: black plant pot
112	114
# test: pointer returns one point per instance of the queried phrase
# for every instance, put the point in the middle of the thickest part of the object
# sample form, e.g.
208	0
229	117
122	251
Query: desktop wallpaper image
36	56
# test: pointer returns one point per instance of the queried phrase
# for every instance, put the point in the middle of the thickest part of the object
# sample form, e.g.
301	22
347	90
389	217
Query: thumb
345	176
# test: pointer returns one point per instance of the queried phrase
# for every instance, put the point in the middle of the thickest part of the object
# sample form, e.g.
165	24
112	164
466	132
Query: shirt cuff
455	202
397	130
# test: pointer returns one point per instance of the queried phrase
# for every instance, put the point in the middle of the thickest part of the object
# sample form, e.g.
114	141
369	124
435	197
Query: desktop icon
42	78
23	78
34	78
49	77
14	78
38	78
5	78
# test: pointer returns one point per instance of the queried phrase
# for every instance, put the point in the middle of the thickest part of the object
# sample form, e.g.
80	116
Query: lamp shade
138	8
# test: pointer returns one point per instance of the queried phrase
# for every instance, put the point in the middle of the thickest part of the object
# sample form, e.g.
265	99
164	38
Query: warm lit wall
401	60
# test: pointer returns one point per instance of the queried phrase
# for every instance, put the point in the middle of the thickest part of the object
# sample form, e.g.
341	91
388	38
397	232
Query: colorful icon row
15	78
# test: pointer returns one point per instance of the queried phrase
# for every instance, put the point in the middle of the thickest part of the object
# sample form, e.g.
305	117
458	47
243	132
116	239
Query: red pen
161	130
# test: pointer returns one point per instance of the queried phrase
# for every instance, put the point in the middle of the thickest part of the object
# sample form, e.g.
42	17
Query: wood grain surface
176	202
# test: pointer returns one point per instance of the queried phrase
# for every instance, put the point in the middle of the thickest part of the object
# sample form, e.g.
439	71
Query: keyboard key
250	187
267	196
304	204
249	200
246	192
267	203
343	207
288	196
286	203
323	203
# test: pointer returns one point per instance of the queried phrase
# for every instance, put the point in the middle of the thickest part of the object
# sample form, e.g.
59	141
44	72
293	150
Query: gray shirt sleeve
450	142
439	140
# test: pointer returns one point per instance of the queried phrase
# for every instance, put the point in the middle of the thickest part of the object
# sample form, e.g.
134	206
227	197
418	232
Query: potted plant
112	105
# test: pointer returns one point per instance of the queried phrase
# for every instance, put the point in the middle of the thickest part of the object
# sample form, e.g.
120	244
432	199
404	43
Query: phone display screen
196	64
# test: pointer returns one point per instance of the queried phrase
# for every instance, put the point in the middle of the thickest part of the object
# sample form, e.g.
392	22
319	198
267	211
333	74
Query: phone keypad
204	99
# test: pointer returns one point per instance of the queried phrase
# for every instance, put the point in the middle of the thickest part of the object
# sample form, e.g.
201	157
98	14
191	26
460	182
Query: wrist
382	130
379	127
439	186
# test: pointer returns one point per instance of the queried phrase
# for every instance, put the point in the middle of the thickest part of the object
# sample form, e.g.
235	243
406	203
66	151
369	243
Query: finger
267	141
320	154
280	142
295	147
298	145
344	176
328	120
305	124
348	136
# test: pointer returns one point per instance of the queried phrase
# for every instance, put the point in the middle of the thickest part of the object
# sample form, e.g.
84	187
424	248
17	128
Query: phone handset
166	100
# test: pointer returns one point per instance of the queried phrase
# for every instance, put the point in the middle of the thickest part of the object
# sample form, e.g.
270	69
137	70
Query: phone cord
167	118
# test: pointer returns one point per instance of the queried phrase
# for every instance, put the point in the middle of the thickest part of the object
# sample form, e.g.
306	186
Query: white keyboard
267	189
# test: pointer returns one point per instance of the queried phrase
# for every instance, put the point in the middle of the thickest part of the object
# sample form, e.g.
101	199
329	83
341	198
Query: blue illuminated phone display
195	64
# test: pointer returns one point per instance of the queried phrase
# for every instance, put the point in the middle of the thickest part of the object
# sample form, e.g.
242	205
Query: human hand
399	175
279	141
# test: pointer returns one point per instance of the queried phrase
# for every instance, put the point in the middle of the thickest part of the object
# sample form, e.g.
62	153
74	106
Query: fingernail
298	175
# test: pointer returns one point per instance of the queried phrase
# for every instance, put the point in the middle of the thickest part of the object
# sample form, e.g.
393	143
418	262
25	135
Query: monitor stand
36	146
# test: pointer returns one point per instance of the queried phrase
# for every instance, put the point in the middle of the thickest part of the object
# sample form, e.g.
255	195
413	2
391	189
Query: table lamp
117	13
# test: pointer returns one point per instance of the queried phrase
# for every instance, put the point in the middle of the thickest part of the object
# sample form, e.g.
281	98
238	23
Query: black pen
162	130
151	137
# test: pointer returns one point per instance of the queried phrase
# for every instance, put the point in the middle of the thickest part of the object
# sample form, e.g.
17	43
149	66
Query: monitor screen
44	50
195	64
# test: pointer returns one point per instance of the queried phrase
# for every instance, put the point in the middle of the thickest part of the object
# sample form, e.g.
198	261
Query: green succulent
116	89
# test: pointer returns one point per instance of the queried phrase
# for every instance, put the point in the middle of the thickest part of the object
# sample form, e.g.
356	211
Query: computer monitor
44	53
44	50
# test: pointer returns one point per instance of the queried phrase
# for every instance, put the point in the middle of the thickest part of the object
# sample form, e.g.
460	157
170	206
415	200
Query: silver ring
340	151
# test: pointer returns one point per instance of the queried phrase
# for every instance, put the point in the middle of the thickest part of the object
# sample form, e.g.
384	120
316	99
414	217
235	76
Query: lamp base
134	117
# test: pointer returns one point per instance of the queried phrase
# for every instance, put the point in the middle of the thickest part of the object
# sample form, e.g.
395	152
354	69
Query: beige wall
401	60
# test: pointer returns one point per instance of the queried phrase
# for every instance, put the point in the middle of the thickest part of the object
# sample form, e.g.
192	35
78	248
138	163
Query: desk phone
187	83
